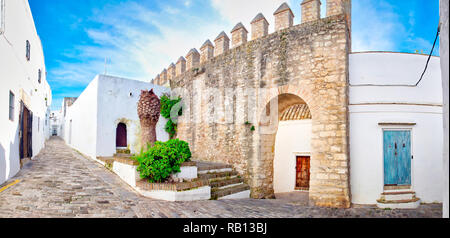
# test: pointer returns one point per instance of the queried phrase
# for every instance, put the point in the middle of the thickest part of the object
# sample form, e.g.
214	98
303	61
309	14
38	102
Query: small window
11	106
28	49
39	75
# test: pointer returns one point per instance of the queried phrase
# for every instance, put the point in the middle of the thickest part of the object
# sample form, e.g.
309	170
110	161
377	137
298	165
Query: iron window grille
28	49
11	106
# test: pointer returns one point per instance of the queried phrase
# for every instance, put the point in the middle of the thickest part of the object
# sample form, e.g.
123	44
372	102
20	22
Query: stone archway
268	128
292	152
329	181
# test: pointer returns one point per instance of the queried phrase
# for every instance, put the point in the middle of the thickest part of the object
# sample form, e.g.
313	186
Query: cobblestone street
62	183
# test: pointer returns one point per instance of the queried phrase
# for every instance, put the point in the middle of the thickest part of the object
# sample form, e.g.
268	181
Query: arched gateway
253	82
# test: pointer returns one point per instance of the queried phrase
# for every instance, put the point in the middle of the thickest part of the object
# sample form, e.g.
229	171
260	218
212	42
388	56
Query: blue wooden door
397	157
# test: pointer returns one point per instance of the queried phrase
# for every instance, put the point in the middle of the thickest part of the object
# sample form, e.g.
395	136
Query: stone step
217	193
218	175
226	182
123	151
122	155
399	204
106	160
398	195
210	167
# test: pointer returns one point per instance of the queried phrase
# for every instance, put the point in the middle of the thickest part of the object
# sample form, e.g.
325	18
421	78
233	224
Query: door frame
126	135
295	155
397	128
25	153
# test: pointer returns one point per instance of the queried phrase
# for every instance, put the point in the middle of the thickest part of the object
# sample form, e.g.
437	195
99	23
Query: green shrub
163	159
166	107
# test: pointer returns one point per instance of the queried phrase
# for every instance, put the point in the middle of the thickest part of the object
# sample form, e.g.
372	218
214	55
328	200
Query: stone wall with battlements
227	97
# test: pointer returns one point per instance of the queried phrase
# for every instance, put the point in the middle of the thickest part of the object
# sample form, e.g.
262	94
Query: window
2	16
11	106
39	75
28	48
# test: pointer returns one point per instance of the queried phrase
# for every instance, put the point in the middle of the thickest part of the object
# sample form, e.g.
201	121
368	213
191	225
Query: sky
139	38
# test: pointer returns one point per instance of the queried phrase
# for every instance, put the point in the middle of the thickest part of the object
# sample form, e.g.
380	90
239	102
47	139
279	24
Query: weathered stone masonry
302	64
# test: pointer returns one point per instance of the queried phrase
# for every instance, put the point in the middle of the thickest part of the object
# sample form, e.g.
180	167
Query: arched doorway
293	150
276	173
329	179
121	136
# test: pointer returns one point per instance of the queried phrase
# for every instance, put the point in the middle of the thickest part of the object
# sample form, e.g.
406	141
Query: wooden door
121	135
302	173
397	157
26	132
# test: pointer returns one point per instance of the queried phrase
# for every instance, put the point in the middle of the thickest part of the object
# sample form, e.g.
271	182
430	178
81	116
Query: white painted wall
117	102
55	121
96	113
80	122
20	77
370	105
293	138
443	12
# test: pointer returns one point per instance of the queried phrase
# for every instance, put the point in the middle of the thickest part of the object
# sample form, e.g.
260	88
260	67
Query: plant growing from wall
167	105
163	159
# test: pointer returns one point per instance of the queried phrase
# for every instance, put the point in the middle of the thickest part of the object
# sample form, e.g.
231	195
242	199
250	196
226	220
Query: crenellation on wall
180	66
157	79
260	26
163	77
337	7
206	51
192	59
222	44
284	18
310	10
238	35
171	71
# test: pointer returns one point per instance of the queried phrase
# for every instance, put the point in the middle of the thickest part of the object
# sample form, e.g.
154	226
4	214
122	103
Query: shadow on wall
14	158
2	164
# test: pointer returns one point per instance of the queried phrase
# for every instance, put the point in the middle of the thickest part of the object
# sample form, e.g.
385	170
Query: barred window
28	49
11	106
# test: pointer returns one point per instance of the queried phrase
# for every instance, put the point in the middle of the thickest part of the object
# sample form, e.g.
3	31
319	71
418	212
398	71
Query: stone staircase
402	198
224	181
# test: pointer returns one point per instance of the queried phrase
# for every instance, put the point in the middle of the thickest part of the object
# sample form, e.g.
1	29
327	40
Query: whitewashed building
384	101
55	123
25	95
108	105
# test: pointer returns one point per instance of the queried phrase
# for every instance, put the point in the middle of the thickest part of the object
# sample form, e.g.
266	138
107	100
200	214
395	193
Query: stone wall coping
239	26
259	17
207	43
125	160
178	187
282	8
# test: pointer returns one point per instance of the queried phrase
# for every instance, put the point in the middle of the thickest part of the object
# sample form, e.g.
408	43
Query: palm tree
149	108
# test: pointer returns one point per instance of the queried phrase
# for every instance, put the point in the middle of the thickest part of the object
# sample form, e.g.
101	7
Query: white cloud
373	30
138	43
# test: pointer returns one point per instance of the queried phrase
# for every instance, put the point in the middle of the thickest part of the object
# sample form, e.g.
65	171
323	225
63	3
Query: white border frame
398	128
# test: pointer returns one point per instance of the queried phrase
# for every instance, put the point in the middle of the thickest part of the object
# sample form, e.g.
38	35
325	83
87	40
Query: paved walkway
62	183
